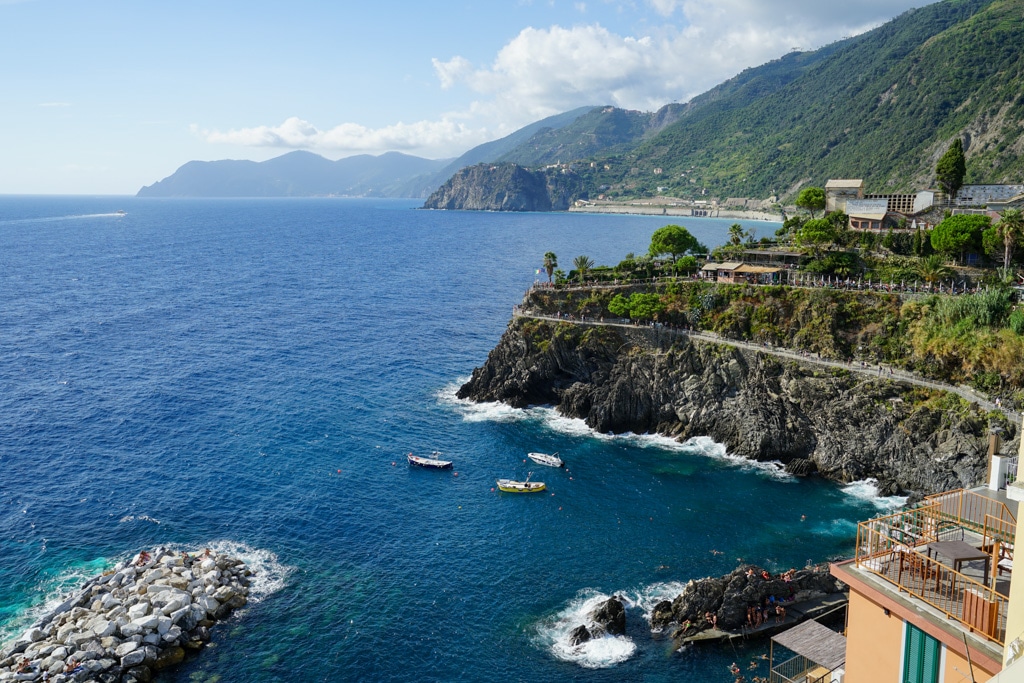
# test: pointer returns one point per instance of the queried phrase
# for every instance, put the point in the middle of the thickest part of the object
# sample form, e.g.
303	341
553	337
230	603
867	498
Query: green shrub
1016	321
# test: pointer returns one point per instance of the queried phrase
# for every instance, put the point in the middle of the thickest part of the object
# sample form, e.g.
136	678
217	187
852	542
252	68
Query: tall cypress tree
951	169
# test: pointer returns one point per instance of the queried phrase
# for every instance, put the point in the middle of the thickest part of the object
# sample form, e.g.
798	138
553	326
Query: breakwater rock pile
841	425
728	599
131	621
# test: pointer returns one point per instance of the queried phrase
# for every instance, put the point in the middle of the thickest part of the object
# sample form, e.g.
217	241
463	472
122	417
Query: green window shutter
921	655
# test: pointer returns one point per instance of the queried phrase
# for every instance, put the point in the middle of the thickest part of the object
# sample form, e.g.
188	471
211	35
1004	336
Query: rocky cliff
845	427
505	187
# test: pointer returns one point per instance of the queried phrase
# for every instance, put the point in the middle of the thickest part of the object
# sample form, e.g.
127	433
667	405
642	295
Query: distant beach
650	208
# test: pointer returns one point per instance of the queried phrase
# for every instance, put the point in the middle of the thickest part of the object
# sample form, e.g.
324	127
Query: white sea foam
867	489
598	653
648	597
479	412
52	591
138	518
571	426
269	573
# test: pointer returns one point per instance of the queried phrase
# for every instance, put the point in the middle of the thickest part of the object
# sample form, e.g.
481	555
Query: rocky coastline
723	603
131	621
831	423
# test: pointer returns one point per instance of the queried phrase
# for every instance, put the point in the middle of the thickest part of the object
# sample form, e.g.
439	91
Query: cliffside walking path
875	372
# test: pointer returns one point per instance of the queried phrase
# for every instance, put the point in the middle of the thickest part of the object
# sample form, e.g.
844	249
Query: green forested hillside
882	106
601	131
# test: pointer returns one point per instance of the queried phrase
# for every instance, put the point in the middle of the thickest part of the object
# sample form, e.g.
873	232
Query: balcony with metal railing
948	553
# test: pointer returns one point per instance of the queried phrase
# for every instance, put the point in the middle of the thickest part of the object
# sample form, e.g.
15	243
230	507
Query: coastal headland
131	621
842	425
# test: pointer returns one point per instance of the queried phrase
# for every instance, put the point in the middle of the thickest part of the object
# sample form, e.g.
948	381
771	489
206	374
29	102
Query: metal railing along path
874	372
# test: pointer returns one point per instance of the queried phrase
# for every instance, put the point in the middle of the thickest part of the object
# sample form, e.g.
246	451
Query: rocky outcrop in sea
505	187
126	624
727	598
842	426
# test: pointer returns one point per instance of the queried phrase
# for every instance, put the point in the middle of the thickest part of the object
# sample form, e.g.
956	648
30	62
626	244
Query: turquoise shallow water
250	373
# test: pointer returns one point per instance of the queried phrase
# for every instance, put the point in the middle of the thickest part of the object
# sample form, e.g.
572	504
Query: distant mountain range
882	106
296	174
304	174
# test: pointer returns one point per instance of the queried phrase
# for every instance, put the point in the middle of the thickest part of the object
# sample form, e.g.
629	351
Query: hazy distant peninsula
296	174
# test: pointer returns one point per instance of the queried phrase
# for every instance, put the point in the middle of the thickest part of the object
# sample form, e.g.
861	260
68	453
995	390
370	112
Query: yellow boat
513	486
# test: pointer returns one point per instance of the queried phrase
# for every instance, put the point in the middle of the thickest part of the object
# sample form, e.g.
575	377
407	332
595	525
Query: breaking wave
597	653
571	426
867	489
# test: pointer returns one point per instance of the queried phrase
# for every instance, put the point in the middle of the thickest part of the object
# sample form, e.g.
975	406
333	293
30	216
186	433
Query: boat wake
571	426
598	653
54	219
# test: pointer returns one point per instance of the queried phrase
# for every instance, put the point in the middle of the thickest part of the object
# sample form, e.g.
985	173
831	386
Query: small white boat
432	462
544	459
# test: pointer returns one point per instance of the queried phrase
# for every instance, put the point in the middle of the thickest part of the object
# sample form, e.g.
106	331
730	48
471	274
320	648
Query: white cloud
423	137
665	7
543	71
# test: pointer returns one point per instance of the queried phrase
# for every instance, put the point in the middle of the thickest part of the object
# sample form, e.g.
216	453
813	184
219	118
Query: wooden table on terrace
959	552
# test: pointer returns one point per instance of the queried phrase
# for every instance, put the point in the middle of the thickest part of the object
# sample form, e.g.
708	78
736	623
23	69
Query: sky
106	96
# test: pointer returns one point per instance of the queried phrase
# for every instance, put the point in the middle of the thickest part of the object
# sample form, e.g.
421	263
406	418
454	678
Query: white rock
35	634
130	630
158	588
125	648
147	623
152	639
163	624
154	574
104	629
225	593
178	614
207	564
133	658
78	639
208	603
173	633
64	631
172	606
138	610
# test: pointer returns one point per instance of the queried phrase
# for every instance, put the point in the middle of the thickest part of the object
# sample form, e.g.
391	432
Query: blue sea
249	375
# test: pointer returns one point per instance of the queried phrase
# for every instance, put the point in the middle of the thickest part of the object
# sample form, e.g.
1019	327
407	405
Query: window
920	657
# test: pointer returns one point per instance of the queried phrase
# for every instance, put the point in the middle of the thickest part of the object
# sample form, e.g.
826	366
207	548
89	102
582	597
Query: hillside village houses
865	212
917	210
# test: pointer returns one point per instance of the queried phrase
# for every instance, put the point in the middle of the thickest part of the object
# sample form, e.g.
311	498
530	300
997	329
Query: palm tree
550	263
932	269
1010	229
583	264
736	234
